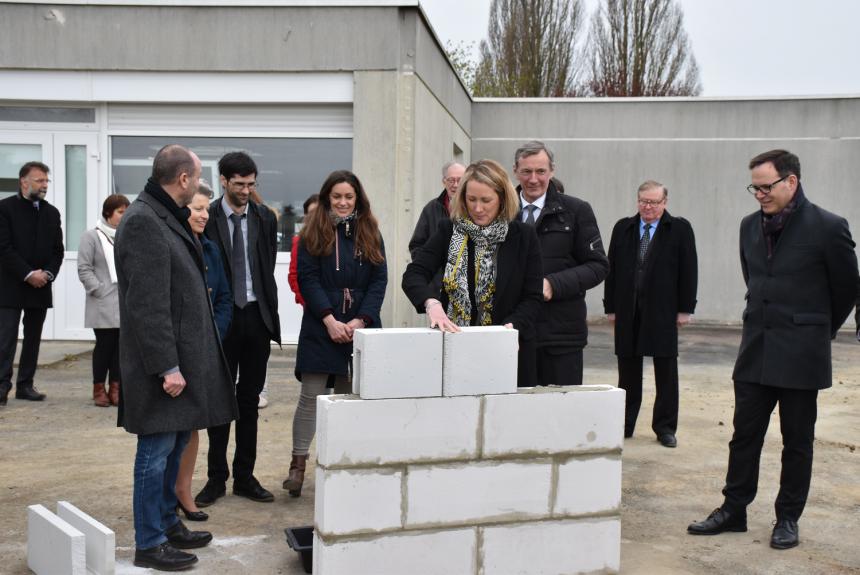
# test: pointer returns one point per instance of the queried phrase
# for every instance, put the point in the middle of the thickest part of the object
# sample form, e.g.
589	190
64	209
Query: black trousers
34	318
798	411
665	416
559	366
247	349
106	355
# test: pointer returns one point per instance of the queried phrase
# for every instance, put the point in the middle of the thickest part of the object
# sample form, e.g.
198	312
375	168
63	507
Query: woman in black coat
342	277
222	307
492	264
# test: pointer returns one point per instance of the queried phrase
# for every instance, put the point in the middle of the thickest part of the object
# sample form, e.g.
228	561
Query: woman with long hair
491	262
97	272
342	277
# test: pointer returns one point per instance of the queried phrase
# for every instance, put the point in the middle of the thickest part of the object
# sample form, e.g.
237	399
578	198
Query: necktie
240	294
643	242
530	216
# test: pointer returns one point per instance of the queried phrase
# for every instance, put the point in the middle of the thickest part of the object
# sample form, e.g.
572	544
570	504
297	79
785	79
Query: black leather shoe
668	440
5	388
785	534
29	393
252	489
210	493
718	522
182	538
192	515
164	557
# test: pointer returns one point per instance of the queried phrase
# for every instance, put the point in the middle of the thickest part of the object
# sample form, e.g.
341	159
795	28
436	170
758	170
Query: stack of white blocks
69	543
430	478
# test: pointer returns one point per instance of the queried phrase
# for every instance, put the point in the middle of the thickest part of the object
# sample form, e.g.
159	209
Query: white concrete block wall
53	546
554	420
427	553
355	432
552	547
100	541
397	362
479	361
589	485
477	493
350	501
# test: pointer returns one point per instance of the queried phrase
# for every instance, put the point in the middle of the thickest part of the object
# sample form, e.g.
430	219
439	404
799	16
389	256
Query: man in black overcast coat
573	262
649	293
31	253
800	269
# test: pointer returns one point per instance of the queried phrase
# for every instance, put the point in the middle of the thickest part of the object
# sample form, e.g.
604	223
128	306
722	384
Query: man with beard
175	376
800	270
246	234
31	252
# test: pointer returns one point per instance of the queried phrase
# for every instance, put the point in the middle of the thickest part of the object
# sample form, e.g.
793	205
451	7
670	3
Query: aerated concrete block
53	546
553	547
398	362
477	493
353	432
425	553
480	360
553	420
588	486
100	541
355	501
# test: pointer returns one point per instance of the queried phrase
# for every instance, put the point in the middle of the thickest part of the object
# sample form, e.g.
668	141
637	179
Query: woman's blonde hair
490	173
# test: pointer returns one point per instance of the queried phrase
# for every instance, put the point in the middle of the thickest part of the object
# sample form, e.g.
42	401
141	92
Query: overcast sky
743	47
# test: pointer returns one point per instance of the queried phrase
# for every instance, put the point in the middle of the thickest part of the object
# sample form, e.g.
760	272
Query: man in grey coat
175	377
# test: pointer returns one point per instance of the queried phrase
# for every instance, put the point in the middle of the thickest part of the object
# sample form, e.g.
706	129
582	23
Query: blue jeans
155	467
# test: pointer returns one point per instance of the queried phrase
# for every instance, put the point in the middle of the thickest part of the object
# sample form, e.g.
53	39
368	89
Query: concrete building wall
699	149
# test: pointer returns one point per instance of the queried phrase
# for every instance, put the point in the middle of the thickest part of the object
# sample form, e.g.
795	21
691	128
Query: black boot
28	391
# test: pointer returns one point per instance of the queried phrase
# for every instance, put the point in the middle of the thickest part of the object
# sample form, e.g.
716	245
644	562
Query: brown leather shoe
113	392
295	479
100	397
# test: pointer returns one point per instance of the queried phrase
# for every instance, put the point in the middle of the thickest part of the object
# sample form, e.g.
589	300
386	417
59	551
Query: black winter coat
573	261
669	282
519	285
322	280
797	300
263	251
30	239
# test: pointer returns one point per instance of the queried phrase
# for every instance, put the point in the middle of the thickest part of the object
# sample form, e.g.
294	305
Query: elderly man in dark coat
174	371
800	269
649	293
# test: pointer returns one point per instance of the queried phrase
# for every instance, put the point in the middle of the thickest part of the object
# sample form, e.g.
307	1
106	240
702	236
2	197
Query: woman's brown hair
318	232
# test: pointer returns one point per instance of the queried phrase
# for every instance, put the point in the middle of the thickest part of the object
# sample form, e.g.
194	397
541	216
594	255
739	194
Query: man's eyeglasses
765	189
651	203
452	181
526	173
239	186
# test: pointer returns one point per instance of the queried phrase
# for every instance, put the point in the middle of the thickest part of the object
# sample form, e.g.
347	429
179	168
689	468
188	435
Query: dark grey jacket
796	300
166	321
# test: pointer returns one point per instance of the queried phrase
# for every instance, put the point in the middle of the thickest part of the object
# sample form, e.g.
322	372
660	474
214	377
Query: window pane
76	195
12	157
290	169
33	114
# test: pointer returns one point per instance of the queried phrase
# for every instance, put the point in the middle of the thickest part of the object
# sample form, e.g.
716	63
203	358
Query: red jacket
293	275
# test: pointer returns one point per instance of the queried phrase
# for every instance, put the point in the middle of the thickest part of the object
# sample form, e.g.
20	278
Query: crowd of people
182	298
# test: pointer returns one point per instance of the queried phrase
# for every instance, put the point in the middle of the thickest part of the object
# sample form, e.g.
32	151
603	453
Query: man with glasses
573	262
649	293
31	252
437	210
246	234
800	270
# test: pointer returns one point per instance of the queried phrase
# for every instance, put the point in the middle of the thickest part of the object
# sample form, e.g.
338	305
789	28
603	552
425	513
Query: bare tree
640	48
531	49
459	53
